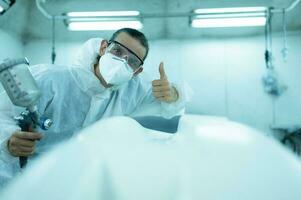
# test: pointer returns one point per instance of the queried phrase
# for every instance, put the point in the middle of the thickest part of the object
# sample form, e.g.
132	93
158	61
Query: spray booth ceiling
27	21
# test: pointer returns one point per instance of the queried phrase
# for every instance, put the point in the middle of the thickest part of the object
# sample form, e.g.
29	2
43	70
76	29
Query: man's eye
134	61
117	52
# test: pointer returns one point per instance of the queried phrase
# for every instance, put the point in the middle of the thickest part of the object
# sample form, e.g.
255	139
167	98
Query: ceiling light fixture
5	5
104	26
103	20
229	17
103	13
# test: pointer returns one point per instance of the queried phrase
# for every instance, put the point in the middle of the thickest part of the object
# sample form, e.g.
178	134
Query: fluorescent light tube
230	10
228	22
103	20
5	5
103	13
229	17
103	25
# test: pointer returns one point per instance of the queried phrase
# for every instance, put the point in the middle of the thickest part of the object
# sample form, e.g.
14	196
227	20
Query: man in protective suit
103	83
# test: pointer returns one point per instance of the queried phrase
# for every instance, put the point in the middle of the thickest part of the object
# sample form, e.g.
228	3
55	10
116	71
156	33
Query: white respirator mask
114	70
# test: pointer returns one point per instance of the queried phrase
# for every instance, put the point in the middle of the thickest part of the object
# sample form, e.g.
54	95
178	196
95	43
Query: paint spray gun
23	91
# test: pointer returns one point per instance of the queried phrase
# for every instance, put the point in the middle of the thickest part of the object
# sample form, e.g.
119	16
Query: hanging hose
268	40
271	82
284	51
53	54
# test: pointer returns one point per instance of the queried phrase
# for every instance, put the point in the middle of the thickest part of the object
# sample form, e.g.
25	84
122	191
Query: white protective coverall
73	98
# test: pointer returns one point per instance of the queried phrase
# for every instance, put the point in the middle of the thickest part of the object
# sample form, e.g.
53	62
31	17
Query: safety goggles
123	52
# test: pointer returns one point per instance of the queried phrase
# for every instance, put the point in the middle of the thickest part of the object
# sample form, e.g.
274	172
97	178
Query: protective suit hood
88	53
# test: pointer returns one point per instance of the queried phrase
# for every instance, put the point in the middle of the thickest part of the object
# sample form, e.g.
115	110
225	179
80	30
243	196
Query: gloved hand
162	89
22	143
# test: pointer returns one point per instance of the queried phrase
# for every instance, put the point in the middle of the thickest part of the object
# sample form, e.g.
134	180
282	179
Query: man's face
132	44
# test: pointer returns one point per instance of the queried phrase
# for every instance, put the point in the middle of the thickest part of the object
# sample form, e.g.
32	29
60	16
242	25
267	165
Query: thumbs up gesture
162	89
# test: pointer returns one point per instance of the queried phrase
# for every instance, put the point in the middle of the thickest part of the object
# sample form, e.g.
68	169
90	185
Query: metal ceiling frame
155	15
288	9
142	16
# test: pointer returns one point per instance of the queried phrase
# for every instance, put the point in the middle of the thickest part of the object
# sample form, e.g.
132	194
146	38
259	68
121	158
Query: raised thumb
162	71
